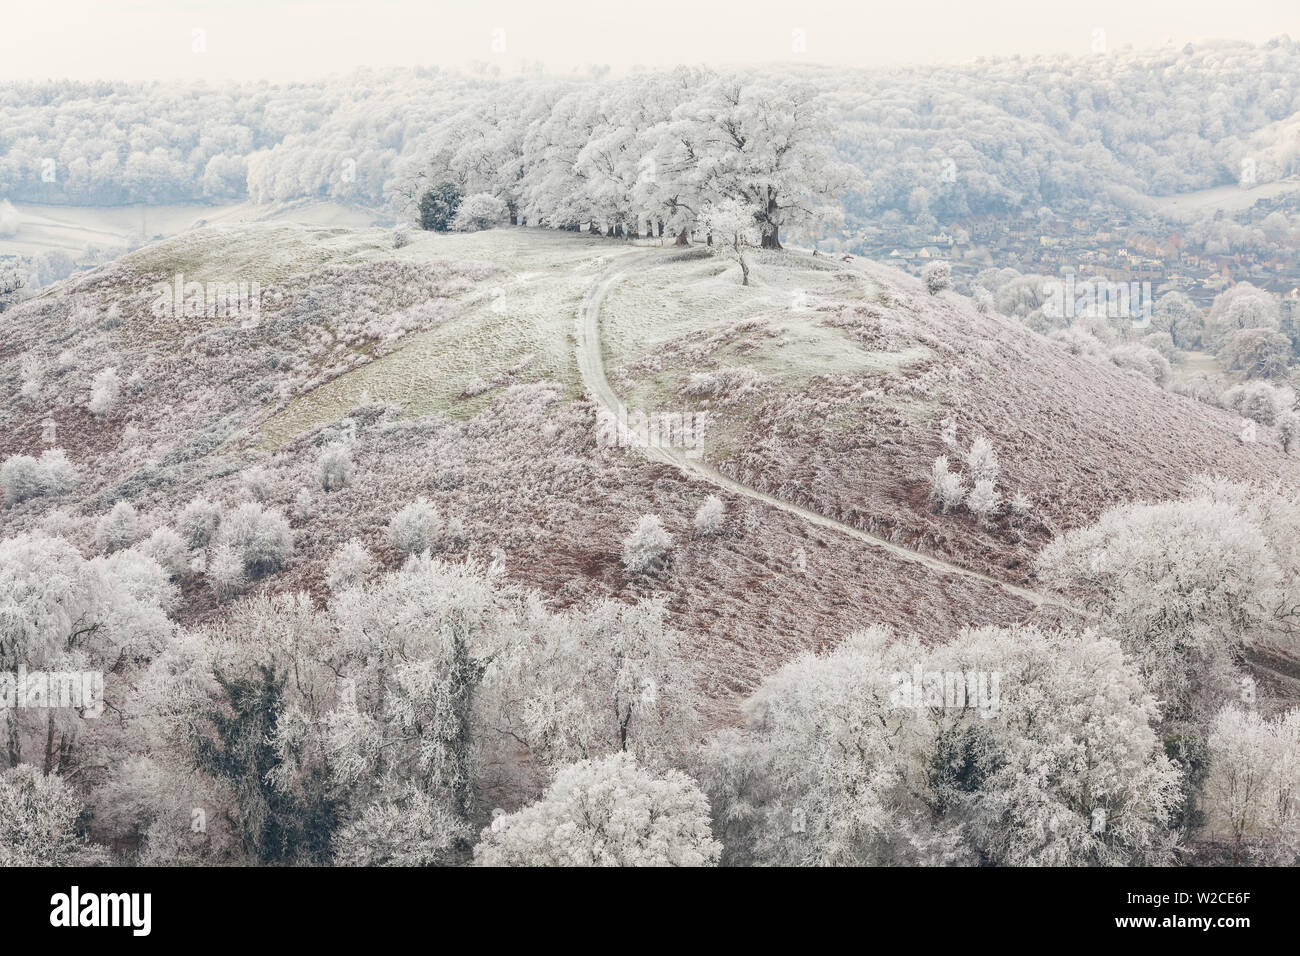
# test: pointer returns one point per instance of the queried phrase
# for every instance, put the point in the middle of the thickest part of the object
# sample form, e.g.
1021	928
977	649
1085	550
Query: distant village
1119	247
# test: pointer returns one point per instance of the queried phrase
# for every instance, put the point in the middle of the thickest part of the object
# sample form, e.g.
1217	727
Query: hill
467	369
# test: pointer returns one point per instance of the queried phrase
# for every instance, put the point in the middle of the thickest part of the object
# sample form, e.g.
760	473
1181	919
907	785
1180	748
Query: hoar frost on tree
607	812
646	547
1186	585
1059	767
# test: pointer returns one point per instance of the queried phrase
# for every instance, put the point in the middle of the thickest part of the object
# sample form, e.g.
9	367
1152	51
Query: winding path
591	364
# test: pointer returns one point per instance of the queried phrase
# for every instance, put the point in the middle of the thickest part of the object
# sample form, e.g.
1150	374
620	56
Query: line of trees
643	156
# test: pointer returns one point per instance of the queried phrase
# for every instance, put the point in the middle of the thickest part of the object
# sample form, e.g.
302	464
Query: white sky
304	39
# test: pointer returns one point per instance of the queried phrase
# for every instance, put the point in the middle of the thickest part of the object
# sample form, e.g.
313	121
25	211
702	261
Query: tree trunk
49	744
592	228
771	234
744	268
681	239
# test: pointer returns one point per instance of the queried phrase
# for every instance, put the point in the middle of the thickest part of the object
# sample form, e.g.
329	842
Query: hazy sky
301	39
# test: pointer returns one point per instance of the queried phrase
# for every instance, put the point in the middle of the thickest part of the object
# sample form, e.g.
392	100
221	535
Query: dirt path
591	364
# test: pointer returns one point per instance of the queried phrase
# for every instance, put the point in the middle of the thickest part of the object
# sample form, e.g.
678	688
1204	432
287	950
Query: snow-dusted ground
73	229
1195	205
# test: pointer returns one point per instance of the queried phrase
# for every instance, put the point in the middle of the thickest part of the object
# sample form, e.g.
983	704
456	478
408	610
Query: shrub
117	529
982	460
39	816
646	547
606	812
938	277
478	211
350	566
438	207
983	500
1250	790
226	572
167	548
198	522
20	476
1143	360
104	390
23	477
257	482
56	472
710	516
1288	428
334	467
946	489
1259	401
303	506
260	538
416	528
1260	353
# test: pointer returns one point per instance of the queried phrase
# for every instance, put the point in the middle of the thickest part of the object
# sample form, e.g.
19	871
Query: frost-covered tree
351	564
304	508
334	467
1288	428
105	388
607	812
946	487
417	528
763	143
40	821
1260	401
409	828
734	226
438	207
479	211
710	516
226	575
982	461
1252	791
1178	315
117	529
597	679
646	547
1260	353
198	522
167	548
57	473
937	277
23	477
1182	585
845	759
257	482
260	538
20	478
983	500
60	612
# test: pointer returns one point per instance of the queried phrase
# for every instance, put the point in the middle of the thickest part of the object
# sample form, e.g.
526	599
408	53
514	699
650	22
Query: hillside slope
450	367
